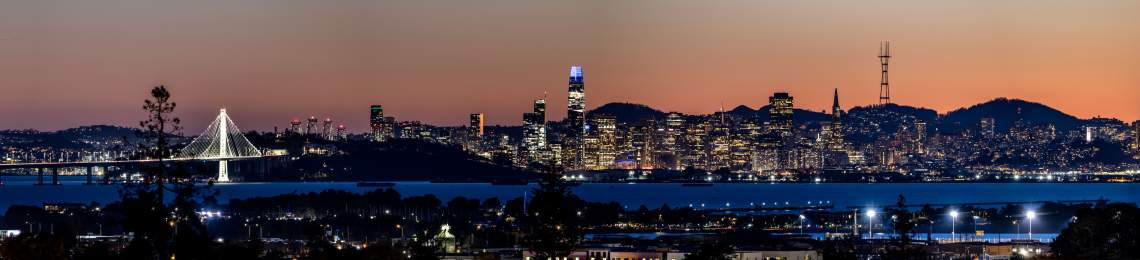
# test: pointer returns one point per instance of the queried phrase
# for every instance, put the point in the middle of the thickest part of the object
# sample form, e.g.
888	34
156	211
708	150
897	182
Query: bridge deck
113	163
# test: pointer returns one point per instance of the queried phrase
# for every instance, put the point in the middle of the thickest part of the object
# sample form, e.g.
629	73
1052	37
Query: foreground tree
903	222
553	217
1109	231
161	230
34	246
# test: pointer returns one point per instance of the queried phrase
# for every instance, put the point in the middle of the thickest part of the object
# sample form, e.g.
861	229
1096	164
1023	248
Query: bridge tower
222	141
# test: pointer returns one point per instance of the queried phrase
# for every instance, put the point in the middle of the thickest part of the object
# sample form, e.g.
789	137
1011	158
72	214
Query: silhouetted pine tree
553	219
163	230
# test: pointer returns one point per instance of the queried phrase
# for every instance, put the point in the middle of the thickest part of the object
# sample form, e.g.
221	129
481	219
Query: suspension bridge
222	141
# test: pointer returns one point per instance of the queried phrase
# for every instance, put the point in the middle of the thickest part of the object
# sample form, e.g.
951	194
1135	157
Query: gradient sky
65	63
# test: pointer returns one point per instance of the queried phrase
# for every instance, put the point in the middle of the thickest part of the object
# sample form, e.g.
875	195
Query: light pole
1018	225
975	226
802	224
870	223
1031	215
953	221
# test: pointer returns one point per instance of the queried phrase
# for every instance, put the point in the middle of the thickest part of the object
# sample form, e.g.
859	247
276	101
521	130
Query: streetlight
870	223
975	226
953	220
1031	215
802	224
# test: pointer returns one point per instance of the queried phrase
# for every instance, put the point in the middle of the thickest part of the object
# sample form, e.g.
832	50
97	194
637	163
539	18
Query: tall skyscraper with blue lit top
576	105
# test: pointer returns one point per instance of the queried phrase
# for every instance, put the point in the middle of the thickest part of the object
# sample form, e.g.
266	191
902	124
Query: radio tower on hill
884	84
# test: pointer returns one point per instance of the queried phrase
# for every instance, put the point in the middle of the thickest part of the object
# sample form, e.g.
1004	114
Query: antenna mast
884	84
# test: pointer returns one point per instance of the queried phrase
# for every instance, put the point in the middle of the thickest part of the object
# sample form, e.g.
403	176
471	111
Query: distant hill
924	114
627	113
889	118
799	116
742	111
99	132
72	138
1007	111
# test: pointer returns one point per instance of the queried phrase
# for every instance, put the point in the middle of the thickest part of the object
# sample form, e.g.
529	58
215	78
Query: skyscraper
534	132
311	126
340	132
605	128
1136	135
576	103
540	108
476	125
376	121
836	111
295	126
833	133
780	113
673	139
327	131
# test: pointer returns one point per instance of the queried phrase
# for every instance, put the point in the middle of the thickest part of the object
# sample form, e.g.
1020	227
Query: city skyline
523	130
82	63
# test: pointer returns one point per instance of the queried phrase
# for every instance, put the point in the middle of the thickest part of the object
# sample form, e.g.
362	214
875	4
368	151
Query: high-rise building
836	111
295	126
919	131
919	141
1136	135
476	125
673	139
341	132
696	144
311	126
389	128
540	108
376	121
576	103
474	141
831	135
605	128
327	130
780	113
534	132
1090	134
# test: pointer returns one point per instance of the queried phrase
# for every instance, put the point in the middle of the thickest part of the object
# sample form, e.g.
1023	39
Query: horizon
726	109
69	63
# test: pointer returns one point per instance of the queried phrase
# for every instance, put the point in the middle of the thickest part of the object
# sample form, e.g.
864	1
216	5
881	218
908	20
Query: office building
295	126
476	125
780	111
311	126
576	103
600	148
327	131
534	132
1136	135
376	122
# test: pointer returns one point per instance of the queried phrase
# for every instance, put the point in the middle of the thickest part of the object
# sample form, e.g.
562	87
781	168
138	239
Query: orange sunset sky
66	63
